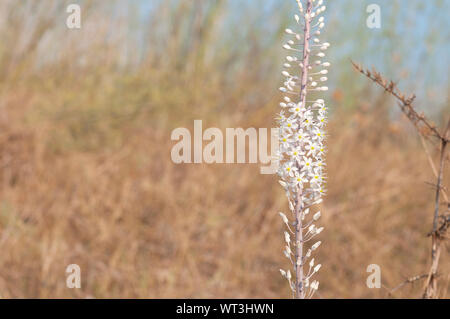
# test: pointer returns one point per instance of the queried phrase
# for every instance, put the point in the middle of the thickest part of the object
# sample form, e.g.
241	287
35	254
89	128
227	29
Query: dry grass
140	226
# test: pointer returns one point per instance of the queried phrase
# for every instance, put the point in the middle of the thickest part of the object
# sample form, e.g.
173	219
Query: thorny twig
423	125
410	280
427	130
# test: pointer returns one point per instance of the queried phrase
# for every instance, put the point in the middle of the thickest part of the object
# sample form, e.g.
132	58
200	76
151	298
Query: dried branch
433	167
410	280
424	126
426	130
431	285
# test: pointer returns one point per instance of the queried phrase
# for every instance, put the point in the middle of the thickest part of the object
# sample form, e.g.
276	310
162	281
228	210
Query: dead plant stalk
427	131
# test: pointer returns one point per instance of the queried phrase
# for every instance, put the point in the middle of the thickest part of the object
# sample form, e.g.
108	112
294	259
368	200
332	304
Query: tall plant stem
431	284
299	273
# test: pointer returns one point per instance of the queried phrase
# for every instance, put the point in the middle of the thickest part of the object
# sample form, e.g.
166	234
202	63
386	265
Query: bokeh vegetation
85	169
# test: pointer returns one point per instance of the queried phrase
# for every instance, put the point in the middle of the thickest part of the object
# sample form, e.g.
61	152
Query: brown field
86	178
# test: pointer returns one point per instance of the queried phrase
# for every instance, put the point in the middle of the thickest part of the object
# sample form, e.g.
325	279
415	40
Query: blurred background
85	171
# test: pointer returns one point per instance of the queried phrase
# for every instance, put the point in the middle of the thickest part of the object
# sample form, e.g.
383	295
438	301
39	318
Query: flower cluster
302	149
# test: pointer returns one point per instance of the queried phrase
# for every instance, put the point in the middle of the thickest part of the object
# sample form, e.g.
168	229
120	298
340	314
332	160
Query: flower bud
316	245
317	216
287	238
317	268
284	218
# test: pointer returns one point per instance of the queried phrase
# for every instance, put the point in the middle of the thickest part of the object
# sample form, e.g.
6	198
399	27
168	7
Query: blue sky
412	46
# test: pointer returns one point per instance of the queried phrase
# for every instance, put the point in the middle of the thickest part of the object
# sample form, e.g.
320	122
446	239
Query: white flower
323	110
289	125
318	134
321	153
297	110
312	148
307	163
315	177
295	153
308	122
286	141
290	169
300	136
322	120
299	179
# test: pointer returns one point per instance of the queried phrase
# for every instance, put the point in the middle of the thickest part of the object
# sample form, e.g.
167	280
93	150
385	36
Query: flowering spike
301	134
